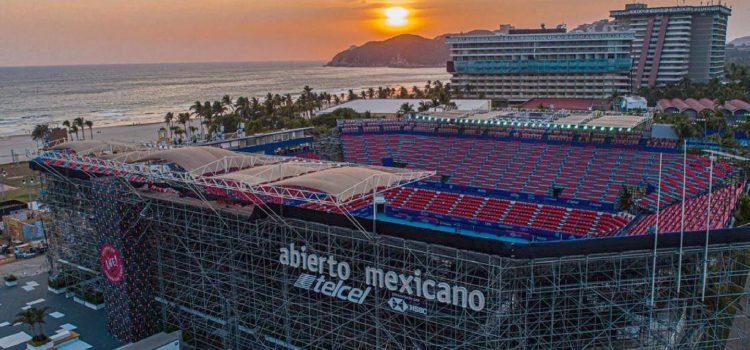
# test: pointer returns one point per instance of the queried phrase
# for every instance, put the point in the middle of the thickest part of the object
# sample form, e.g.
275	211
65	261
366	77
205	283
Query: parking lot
64	314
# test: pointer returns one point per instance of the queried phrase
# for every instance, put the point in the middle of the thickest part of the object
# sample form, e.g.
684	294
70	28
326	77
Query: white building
629	103
391	106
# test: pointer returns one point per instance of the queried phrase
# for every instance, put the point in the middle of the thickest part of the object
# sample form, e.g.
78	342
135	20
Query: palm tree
227	101
90	125
27	317
197	109
405	109
242	107
74	129
208	116
218	108
179	131
382	92
78	122
184	119
434	104
192	130
66	124
351	95
416	93
34	317
403	93
40	132
168	120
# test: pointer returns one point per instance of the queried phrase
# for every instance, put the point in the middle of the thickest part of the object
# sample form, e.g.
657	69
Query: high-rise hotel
523	64
644	47
672	43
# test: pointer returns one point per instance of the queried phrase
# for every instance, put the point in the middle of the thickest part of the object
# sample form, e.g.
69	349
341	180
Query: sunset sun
396	16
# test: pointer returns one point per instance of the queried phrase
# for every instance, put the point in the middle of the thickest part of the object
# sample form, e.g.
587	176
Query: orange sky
52	32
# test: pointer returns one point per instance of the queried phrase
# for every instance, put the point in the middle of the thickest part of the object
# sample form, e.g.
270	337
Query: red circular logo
111	263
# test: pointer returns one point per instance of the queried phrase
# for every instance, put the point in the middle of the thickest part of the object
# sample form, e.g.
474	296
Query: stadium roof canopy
618	121
97	147
603	121
215	168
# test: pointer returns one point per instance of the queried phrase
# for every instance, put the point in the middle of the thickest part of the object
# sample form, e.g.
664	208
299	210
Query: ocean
141	93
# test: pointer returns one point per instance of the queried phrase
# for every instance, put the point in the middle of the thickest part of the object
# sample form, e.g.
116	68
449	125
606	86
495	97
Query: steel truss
219	279
203	177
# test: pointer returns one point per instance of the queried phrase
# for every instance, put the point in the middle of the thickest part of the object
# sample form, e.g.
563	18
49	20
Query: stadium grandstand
536	181
434	233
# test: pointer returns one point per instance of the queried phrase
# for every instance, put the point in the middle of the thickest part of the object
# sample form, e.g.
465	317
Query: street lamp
28	181
3	175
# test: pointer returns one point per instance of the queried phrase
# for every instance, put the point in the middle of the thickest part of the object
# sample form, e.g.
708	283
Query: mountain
401	51
745	40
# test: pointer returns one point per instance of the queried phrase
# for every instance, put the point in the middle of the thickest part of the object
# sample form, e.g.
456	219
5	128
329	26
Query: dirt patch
25	267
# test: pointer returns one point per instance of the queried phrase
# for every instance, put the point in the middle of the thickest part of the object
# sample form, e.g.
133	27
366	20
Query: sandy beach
26	148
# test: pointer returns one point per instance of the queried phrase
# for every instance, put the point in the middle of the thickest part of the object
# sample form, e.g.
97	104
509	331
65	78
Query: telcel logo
332	289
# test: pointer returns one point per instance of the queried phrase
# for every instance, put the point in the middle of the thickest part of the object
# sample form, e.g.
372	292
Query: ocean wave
4	120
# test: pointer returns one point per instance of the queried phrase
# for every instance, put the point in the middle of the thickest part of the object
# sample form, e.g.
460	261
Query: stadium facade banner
331	277
111	263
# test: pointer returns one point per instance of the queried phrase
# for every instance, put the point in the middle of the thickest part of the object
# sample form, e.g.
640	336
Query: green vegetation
742	213
10	278
56	283
706	120
95	298
274	112
737	87
14	176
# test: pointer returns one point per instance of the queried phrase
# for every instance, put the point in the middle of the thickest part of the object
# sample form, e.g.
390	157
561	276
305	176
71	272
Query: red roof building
692	107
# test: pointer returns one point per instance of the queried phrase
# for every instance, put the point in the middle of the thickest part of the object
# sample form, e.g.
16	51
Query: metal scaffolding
218	275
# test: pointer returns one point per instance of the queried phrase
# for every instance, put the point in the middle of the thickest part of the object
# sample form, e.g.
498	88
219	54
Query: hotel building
517	65
672	43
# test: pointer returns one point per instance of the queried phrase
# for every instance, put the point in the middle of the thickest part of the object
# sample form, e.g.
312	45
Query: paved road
90	324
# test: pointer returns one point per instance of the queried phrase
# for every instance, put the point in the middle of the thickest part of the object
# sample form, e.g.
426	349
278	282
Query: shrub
94	298
38	340
56	283
10	278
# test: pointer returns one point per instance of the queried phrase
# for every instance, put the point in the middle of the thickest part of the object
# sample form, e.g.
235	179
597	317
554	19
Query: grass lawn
16	175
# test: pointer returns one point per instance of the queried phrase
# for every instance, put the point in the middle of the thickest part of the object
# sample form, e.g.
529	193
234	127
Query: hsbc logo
398	304
401	305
